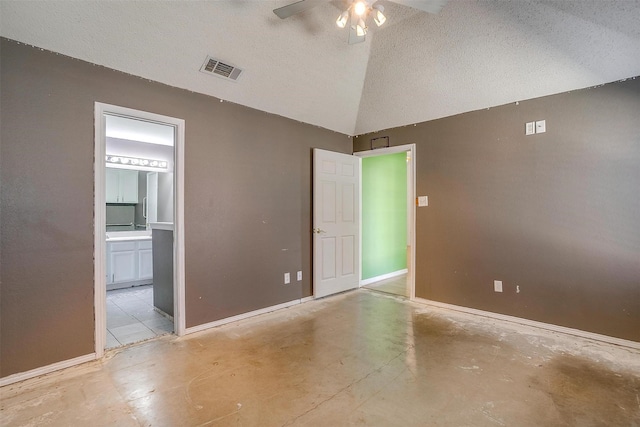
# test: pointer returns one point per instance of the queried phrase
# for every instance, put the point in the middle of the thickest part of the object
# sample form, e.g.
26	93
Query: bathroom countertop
121	236
161	226
126	239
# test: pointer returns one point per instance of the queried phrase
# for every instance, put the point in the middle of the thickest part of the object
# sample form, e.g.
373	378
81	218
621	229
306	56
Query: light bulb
163	164
153	163
342	19
359	8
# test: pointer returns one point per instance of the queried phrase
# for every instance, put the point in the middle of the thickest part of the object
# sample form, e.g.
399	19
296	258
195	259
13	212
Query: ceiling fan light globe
361	29
342	19
378	16
359	8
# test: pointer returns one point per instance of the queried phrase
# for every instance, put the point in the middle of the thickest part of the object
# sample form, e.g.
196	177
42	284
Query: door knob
318	231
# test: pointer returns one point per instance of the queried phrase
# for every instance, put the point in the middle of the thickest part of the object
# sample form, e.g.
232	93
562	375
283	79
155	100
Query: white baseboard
21	376
242	316
383	277
541	325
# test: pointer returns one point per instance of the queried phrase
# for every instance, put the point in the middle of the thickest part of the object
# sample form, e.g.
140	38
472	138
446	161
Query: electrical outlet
299	276
497	285
287	278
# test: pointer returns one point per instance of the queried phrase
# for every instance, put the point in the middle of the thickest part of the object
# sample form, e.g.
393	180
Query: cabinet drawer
144	244
122	246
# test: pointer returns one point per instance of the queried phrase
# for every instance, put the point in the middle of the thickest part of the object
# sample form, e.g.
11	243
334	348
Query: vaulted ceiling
417	67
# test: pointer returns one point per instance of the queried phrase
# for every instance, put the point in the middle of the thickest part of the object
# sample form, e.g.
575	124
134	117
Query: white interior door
336	222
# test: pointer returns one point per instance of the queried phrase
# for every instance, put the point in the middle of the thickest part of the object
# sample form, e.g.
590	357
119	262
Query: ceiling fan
358	11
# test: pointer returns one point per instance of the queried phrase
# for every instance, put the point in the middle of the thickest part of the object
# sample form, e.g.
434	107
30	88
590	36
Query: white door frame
100	218
411	195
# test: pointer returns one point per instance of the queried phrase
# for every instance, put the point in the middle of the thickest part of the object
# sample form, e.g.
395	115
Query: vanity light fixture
137	161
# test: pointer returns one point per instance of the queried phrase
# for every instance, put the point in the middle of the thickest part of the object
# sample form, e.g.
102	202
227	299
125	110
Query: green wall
384	214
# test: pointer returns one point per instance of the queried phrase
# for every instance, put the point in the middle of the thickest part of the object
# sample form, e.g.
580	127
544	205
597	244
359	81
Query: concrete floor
360	358
396	286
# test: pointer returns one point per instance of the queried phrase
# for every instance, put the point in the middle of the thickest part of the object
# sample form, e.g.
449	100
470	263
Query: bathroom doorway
139	178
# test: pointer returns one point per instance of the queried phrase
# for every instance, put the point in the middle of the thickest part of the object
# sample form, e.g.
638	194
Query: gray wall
247	202
557	214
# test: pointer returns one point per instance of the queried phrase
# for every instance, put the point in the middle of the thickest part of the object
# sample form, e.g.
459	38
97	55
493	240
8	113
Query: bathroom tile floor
131	317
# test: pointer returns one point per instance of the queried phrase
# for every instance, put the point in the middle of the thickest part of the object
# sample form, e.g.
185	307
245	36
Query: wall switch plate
497	285
541	126
423	201
287	278
299	276
530	128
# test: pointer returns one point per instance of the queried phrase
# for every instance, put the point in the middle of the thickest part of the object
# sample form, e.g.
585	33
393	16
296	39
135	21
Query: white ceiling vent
220	69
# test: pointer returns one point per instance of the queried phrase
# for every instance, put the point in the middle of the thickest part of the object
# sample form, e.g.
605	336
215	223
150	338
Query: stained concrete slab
360	358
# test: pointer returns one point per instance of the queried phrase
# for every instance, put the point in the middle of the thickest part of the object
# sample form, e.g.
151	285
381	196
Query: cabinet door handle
144	207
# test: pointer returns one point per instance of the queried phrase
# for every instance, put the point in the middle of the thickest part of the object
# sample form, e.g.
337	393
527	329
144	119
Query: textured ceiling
418	67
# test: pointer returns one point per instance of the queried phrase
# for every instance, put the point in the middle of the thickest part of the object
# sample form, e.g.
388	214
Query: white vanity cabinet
121	185
145	260
129	263
122	260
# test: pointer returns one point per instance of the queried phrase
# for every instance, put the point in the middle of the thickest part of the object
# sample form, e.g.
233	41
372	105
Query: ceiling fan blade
431	6
297	7
354	38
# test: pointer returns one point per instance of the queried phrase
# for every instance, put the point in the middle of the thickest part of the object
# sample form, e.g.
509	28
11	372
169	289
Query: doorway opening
139	239
388	225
